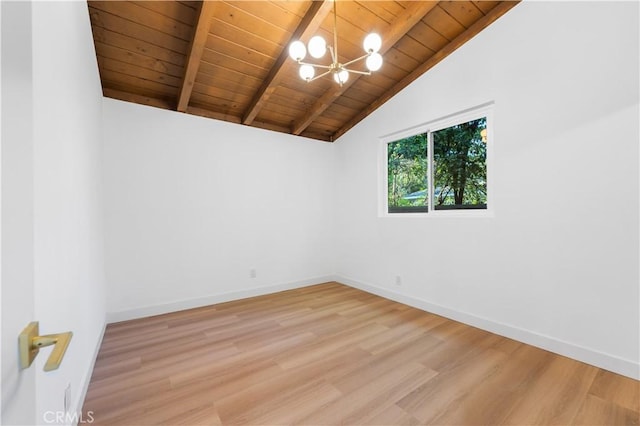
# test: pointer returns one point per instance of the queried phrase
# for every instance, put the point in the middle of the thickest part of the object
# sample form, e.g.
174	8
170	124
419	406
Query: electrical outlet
252	273
67	398
398	280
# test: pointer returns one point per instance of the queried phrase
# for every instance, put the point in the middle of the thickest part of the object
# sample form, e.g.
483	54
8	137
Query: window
407	165
439	166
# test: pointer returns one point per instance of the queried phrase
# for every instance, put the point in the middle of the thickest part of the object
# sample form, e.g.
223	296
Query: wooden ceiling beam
317	12
200	33
491	16
203	112
208	113
414	12
129	96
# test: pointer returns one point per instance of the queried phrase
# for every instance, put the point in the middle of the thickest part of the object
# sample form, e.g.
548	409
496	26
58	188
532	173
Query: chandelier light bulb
374	62
297	51
341	76
317	47
307	72
372	43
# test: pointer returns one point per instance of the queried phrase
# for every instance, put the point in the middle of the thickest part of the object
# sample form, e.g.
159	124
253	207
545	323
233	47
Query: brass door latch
30	343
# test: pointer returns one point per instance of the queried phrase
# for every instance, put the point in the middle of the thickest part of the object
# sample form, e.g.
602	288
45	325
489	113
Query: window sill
440	214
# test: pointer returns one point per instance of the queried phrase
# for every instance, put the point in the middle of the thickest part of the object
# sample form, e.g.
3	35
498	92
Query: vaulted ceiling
228	60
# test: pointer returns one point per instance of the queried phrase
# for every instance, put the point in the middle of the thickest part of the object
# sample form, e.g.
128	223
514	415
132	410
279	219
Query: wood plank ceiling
228	60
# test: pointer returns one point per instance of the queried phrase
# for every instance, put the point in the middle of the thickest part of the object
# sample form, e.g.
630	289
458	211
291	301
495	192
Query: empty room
347	212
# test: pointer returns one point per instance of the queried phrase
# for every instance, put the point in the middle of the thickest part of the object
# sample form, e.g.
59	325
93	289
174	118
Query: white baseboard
605	361
86	379
181	305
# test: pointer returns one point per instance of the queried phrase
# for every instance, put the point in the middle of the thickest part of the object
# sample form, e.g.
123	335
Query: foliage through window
443	169
407	174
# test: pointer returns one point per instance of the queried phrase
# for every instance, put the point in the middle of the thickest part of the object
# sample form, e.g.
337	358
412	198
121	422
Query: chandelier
317	48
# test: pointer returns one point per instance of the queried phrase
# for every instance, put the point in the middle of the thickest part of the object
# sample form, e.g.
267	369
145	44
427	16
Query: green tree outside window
459	169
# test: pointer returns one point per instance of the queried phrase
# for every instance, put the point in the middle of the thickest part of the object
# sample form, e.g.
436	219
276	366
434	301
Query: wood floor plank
556	395
490	403
377	394
617	389
231	381
286	406
106	405
392	415
263	354
205	416
461	344
299	405
331	354
125	329
401	334
267	392
110	391
597	411
448	390
105	370
305	354
150	342
387	361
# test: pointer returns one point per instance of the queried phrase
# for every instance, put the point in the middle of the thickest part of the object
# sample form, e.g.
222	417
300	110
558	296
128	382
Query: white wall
18	386
558	264
0	198
68	225
193	204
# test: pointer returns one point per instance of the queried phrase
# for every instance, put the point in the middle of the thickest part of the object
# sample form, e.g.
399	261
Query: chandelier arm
357	71
356	60
326	67
319	76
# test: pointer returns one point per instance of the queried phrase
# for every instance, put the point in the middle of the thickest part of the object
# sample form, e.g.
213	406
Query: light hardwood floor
330	354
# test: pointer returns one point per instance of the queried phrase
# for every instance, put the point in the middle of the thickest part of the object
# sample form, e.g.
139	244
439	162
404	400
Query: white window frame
484	110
